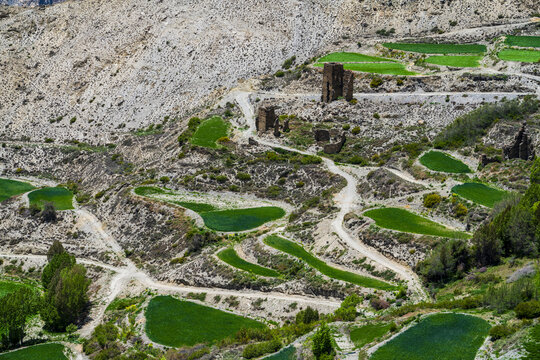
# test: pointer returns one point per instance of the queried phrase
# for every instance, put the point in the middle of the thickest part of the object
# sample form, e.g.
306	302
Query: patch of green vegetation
405	221
438	48
50	351
522	41
351	57
241	219
9	286
296	250
209	131
531	56
61	197
288	353
365	334
150	190
480	193
9	188
439	161
176	323
231	257
440	336
455	61
195	206
377	68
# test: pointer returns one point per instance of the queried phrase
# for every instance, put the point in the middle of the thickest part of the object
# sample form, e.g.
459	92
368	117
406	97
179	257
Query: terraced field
377	68
177	323
231	257
425	48
287	353
296	250
209	131
61	197
440	336
480	193
519	55
523	41
9	188
241	219
345	57
50	351
405	221
456	60
365	334
439	161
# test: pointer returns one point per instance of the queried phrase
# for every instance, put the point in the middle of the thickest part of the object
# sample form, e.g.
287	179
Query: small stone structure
522	146
277	133
321	135
266	118
336	147
484	160
336	83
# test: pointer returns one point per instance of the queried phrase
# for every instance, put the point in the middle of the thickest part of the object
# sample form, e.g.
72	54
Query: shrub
322	343
72	120
528	309
356	130
500	331
48	213
307	316
288	63
376	116
164	179
279	73
379	304
256	350
460	210
376	82
243	176
221	178
346	127
432	200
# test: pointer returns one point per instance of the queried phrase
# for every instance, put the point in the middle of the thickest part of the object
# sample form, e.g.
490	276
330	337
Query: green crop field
195	206
377	68
148	191
519	55
439	161
231	257
288	353
177	323
438	48
365	334
296	250
523	41
480	193
9	188
405	221
49	351
440	336
209	131
241	219
351	57
455	60
61	197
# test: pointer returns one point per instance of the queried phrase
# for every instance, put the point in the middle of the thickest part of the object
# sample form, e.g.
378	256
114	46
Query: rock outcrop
522	146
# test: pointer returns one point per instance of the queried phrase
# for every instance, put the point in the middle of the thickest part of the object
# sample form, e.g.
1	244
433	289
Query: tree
48	214
55	265
55	249
322	343
307	316
15	308
487	246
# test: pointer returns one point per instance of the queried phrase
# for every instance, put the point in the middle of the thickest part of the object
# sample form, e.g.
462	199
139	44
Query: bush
279	73
376	82
500	331
379	304
460	210
356	130
432	200
221	178
322	346
243	176
528	309
307	316
164	179
256	350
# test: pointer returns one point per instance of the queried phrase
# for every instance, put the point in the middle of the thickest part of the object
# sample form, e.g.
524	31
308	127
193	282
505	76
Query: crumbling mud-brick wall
348	84
266	118
522	146
332	86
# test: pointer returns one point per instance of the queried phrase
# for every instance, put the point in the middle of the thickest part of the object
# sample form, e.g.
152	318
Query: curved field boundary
523	41
61	197
209	131
442	162
9	188
177	323
352	57
385	68
426	48
519	55
296	250
455	61
365	334
241	219
405	221
480	193
445	336
231	257
50	351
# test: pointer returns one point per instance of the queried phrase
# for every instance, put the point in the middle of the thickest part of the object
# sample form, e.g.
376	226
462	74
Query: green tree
487	246
55	265
15	308
55	249
322	346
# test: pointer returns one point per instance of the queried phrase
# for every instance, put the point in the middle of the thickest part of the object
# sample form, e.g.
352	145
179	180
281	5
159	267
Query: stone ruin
336	83
321	135
522	146
266	118
335	147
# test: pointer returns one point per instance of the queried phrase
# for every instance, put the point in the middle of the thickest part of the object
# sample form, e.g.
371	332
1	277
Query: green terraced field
377	68
365	334
296	250
177	323
231	257
209	131
345	57
455	60
241	219
61	197
523	41
531	56
405	221
438	48
149	191
440	336
49	351
439	161
480	193
9	188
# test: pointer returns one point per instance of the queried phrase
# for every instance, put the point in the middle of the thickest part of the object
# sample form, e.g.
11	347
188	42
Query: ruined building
335	147
336	83
266	118
522	146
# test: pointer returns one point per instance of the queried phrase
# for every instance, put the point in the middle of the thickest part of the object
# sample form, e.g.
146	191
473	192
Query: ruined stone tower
522	146
332	86
348	83
266	118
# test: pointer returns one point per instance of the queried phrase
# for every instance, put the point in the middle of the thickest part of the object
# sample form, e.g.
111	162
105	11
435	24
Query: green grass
531	56
363	335
523	41
351	57
405	221
241	219
9	188
49	351
287	353
377	68
9	286
195	206
209	131
61	197
455	60
296	250
439	161
231	257
440	336
438	48
177	323
480	193
149	191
